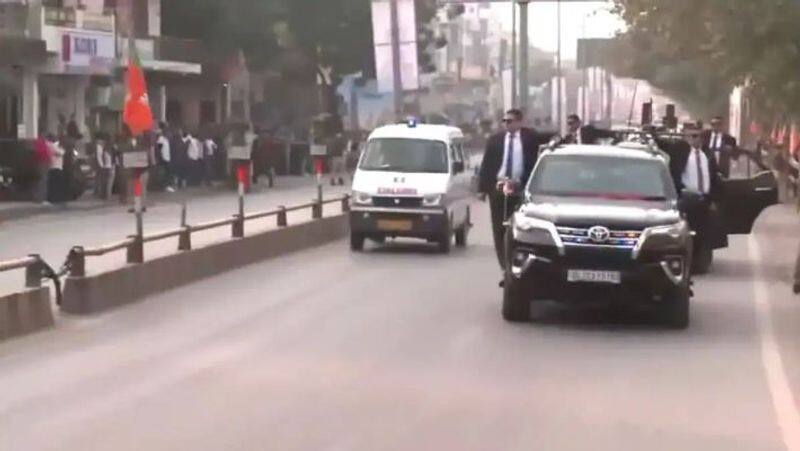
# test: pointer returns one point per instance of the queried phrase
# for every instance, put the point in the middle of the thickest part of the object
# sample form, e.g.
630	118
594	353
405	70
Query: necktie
701	181
510	156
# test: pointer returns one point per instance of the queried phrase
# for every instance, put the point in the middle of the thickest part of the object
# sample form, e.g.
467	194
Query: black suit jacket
726	153
679	153
493	157
590	135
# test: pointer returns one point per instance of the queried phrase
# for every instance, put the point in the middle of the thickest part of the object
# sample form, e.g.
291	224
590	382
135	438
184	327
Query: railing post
282	220
185	239
346	203
316	209
237	228
77	262
33	273
136	250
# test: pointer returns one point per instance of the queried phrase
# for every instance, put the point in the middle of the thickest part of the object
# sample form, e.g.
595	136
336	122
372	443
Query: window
616	178
405	155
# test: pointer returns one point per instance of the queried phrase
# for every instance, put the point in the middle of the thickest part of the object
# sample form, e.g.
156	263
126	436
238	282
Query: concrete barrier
96	293
25	312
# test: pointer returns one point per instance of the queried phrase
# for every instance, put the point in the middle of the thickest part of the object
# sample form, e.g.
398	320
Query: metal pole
397	76
558	69
514	65
524	63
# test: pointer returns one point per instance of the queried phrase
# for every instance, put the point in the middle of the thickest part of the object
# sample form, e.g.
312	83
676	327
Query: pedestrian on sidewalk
194	153
336	150
43	158
57	180
106	169
164	157
210	149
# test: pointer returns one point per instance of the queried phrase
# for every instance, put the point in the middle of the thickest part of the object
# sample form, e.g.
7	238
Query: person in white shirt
164	154
57	179
209	156
194	153
106	170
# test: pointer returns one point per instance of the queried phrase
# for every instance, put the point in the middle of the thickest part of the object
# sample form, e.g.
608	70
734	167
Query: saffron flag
137	114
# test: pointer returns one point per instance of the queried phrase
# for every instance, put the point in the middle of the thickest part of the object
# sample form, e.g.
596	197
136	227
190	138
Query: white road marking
782	398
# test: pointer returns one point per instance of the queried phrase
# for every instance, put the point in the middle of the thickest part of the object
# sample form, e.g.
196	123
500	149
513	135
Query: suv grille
397	202
584	237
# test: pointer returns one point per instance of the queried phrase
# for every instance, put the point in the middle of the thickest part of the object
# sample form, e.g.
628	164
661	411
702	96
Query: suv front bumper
543	272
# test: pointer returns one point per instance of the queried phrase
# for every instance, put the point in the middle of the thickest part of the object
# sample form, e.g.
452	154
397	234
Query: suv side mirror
458	167
689	201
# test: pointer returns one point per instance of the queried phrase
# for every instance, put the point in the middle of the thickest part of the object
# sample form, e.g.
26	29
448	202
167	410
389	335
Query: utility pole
514	66
559	71
524	63
398	80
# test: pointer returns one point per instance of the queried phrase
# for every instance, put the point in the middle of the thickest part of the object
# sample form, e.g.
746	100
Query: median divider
88	294
28	310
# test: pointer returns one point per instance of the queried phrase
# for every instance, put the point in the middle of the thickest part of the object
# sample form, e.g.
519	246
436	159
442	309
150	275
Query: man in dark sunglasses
577	133
507	164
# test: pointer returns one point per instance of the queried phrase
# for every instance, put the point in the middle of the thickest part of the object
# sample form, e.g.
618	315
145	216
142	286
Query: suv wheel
356	242
463	232
516	309
702	259
444	243
676	312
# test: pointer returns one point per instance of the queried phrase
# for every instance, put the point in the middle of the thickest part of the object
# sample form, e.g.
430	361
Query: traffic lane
775	242
52	236
394	349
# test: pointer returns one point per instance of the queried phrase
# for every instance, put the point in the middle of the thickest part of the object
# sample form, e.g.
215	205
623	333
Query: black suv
602	222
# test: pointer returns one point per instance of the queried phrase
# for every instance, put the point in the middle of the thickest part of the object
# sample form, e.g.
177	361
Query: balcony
175	49
78	19
13	19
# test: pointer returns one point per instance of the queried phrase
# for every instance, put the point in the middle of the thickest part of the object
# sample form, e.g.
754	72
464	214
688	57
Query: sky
596	16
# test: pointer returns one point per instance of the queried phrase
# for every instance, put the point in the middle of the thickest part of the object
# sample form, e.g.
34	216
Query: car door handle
762	189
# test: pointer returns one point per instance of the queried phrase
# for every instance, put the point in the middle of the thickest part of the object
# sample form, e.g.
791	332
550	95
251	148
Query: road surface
404	349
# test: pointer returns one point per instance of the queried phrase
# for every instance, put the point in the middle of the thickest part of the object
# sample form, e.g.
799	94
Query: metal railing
33	266
134	245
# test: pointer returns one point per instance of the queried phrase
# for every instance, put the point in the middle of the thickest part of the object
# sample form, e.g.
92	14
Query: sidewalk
12	211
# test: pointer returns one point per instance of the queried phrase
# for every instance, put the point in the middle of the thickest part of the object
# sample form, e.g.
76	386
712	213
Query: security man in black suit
507	164
694	168
584	134
721	145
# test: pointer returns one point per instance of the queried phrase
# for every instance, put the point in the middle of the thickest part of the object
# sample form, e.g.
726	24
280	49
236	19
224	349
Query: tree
697	51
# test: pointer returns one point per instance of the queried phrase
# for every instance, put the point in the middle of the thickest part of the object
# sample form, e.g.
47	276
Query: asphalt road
404	349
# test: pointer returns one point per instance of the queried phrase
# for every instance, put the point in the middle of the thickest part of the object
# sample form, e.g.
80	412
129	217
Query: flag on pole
137	115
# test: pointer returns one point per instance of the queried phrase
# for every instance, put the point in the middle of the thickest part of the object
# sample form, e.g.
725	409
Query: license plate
390	225
579	275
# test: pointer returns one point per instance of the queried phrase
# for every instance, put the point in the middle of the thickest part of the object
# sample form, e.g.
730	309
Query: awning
175	67
20	51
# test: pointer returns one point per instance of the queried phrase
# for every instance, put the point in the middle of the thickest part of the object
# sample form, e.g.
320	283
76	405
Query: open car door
744	199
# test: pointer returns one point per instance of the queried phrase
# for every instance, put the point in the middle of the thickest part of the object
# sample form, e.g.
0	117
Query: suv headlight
432	200
534	231
360	198
659	237
674	231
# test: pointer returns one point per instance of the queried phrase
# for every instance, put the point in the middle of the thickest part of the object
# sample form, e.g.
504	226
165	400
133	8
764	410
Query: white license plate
580	275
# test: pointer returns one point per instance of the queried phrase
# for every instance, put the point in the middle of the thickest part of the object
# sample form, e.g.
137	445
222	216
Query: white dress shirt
104	160
193	151
166	151
57	153
691	175
518	164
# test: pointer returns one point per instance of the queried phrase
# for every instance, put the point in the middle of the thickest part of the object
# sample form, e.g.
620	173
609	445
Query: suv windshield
603	177
405	155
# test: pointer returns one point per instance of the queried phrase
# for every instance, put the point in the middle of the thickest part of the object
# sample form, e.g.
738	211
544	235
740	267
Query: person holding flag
137	115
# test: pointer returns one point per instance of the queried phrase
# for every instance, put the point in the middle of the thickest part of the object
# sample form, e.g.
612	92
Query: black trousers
502	208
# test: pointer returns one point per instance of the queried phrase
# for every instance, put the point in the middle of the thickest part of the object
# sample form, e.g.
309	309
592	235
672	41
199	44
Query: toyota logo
599	234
